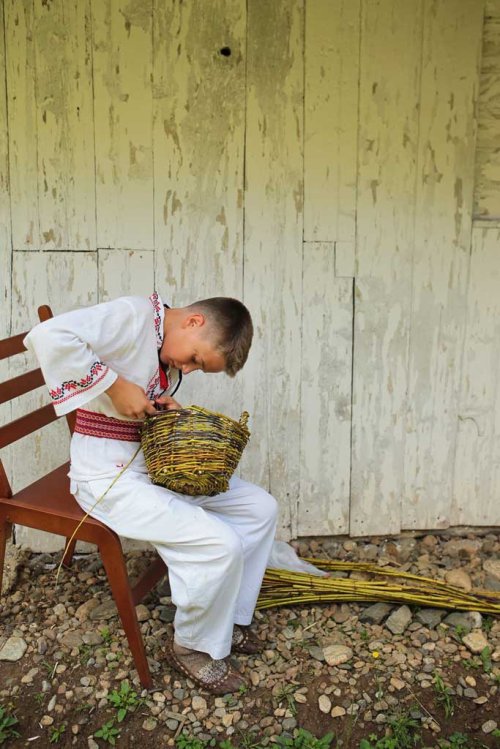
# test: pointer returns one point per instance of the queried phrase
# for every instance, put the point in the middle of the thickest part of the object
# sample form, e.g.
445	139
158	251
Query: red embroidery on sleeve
67	389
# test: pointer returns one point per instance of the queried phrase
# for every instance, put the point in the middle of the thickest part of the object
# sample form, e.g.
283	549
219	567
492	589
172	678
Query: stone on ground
337	654
460	579
399	620
475	641
13	649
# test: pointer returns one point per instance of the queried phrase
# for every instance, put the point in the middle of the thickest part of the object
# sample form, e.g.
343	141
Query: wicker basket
193	451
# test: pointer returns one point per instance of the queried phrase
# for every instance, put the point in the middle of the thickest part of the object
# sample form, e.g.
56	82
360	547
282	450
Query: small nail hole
226	51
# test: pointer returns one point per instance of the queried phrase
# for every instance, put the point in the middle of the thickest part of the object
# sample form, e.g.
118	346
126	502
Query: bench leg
68	552
153	574
5	534
114	564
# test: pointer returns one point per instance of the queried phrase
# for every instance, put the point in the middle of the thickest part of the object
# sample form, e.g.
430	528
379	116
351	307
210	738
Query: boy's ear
194	320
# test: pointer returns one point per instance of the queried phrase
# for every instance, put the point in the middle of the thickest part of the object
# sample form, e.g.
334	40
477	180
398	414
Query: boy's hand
129	399
167	403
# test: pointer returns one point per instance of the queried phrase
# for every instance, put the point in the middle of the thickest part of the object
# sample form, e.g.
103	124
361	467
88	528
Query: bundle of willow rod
284	588
192	450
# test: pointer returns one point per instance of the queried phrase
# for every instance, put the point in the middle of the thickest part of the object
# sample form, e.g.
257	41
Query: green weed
444	695
487	623
50	668
485	656
108	732
56	733
471	663
404	734
457	740
84	653
125	701
303	739
106	635
191	742
7	723
286	694
459	632
249	740
364	634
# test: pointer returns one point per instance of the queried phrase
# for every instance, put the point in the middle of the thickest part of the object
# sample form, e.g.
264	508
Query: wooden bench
48	505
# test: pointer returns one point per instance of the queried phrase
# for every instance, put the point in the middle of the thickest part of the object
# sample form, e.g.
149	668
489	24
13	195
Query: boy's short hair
232	325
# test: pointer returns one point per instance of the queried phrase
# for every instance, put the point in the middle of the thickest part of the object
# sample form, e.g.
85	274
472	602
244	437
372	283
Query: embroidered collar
173	376
159	314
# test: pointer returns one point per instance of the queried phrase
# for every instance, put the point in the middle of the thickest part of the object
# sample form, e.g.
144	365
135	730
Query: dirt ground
389	678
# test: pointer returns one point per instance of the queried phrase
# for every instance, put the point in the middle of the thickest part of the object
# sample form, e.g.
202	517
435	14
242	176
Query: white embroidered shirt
82	352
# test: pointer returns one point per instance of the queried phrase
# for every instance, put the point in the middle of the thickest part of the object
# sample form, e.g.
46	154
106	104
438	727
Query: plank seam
412	272
245	125
153	151
36	92
460	399
92	79
294	515
358	135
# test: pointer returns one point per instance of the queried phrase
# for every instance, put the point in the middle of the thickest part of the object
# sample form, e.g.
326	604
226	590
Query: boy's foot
216	676
244	641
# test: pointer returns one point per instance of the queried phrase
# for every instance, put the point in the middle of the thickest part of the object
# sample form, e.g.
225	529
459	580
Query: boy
112	363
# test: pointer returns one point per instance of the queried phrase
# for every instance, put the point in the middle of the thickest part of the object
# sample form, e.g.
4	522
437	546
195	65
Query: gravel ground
351	669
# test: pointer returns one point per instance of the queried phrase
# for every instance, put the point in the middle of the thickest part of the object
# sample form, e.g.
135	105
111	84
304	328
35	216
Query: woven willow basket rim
200	411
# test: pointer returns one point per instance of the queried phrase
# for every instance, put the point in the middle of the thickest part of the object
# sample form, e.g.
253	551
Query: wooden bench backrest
20	385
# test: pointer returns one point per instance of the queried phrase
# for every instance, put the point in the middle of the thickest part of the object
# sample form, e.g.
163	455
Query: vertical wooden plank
5	217
124	273
122	44
325	452
5	220
22	123
199	109
450	76
330	118
391	31
65	280
477	463
487	171
50	124
64	124
273	246
199	141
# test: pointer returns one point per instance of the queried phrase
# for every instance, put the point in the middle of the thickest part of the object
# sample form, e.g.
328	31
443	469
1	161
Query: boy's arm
73	349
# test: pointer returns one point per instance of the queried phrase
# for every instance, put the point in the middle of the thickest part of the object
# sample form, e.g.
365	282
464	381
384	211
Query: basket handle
244	419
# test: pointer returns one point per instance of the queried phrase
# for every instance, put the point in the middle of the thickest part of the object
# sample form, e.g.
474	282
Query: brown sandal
244	641
216	676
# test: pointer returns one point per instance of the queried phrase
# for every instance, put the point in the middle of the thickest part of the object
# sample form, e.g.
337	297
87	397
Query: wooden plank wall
477	464
443	222
487	169
387	143
316	158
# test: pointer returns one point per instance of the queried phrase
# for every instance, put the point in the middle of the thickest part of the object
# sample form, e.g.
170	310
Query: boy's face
188	346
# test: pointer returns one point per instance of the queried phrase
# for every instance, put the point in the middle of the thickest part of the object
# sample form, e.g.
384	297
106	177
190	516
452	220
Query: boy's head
214	335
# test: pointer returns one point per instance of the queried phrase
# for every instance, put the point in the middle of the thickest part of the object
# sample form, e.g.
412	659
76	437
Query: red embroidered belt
99	425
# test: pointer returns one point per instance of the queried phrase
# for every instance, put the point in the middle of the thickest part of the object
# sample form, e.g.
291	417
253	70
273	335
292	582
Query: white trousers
216	548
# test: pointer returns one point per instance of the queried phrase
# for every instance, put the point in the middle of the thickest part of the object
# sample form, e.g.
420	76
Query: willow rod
285	588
